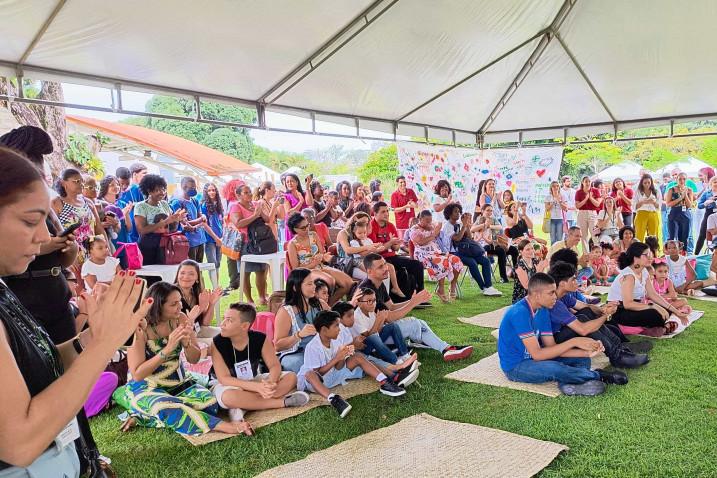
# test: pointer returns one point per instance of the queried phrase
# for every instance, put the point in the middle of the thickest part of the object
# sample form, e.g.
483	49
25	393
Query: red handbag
173	248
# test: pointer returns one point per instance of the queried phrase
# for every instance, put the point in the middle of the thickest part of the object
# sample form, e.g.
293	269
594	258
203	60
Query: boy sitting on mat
528	352
403	374
589	321
237	353
328	363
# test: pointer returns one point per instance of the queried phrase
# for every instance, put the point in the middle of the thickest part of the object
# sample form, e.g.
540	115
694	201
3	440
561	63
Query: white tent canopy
690	166
627	171
456	70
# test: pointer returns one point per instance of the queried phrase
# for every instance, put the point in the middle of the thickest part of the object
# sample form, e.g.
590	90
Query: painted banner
425	165
527	172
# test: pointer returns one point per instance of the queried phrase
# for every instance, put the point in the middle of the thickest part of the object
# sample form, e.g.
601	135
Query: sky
291	142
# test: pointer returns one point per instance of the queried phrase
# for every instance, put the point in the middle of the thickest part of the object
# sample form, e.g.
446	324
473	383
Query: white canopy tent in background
627	170
462	71
691	166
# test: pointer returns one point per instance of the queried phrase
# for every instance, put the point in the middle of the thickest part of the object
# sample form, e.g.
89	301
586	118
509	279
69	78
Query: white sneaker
236	414
492	292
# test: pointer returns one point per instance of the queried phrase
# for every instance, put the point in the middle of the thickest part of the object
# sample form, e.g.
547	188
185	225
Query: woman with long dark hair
295	198
160	395
190	283
293	327
646	205
306	250
587	201
679	198
633	286
109	195
44	384
213	210
623	199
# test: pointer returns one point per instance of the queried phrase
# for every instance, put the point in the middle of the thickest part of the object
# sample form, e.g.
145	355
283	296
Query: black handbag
261	239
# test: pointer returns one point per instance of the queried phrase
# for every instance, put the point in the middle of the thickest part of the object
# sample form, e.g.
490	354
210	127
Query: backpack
132	253
173	248
261	239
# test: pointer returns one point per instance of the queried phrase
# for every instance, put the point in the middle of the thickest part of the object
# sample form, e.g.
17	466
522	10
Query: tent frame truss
345	35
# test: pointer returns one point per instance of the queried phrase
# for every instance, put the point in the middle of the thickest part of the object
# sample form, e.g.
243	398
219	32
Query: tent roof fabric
472	66
214	162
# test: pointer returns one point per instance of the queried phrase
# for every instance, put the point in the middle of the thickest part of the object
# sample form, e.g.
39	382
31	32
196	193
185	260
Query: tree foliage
235	142
381	164
82	152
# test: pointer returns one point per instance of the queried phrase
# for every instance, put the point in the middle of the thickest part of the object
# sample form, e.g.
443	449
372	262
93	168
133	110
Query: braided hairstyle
32	141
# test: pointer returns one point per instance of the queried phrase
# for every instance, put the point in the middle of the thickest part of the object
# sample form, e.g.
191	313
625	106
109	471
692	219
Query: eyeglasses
92	188
369	301
302	227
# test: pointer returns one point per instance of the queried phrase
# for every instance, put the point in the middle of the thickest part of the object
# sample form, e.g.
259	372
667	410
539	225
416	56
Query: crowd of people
70	296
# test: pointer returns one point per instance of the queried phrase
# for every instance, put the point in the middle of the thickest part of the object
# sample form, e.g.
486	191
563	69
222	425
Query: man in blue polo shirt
132	195
528	352
192	227
588	321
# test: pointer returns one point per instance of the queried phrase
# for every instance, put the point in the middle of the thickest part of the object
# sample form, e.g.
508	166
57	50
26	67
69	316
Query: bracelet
77	345
162	355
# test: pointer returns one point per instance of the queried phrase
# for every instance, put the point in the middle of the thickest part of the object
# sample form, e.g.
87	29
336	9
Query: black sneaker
587	389
342	406
405	377
391	389
615	377
627	359
423	305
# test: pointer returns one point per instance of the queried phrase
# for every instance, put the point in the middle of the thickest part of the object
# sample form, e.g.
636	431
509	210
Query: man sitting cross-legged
528	352
412	328
589	321
237	353
328	363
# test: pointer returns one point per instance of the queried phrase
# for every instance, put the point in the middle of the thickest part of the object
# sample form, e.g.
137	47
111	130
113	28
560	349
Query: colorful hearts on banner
508	183
484	171
509	176
466	167
540	172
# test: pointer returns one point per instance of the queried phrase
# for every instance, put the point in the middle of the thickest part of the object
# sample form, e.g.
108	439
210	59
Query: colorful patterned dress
71	214
438	264
161	400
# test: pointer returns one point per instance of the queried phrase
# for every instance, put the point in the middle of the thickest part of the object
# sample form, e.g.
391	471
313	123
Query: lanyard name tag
243	370
197	327
68	435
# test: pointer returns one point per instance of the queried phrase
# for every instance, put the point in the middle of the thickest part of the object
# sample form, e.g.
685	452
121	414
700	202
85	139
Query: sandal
443	297
670	327
128	424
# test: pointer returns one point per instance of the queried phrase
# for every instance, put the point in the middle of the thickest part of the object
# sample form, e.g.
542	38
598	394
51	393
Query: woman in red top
404	203
587	202
623	199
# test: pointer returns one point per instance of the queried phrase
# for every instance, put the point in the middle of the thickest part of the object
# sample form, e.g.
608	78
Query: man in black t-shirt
236	355
414	329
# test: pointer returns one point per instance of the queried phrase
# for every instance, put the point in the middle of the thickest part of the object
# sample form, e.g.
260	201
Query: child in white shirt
100	266
681	272
328	363
360	234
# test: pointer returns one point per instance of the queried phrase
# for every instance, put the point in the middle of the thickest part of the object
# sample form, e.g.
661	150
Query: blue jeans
375	343
665	231
556	230
561	369
292	362
679	226
472	262
418	331
213	253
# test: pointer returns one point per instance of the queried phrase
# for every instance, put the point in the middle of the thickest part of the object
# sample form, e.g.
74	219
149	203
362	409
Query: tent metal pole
472	75
325	51
41	32
583	74
532	60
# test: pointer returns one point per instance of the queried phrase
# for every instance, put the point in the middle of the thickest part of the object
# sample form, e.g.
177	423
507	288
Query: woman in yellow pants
646	203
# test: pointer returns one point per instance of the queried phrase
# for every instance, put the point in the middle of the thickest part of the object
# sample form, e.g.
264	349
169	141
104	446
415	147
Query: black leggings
638	318
703	231
412	266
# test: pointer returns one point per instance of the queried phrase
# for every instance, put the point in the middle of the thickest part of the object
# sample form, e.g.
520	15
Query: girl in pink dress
664	286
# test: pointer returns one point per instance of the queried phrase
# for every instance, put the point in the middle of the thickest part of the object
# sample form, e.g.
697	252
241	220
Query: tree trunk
50	118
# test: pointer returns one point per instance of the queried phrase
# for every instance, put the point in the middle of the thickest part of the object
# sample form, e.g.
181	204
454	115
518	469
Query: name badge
197	327
68	435
243	370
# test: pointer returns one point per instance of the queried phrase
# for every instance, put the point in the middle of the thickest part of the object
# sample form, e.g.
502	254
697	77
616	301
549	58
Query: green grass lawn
662	424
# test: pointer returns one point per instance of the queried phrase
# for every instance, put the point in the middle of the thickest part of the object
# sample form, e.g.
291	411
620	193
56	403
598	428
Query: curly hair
448	210
150	183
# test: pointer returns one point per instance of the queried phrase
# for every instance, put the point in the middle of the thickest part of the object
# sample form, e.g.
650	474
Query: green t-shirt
149	212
